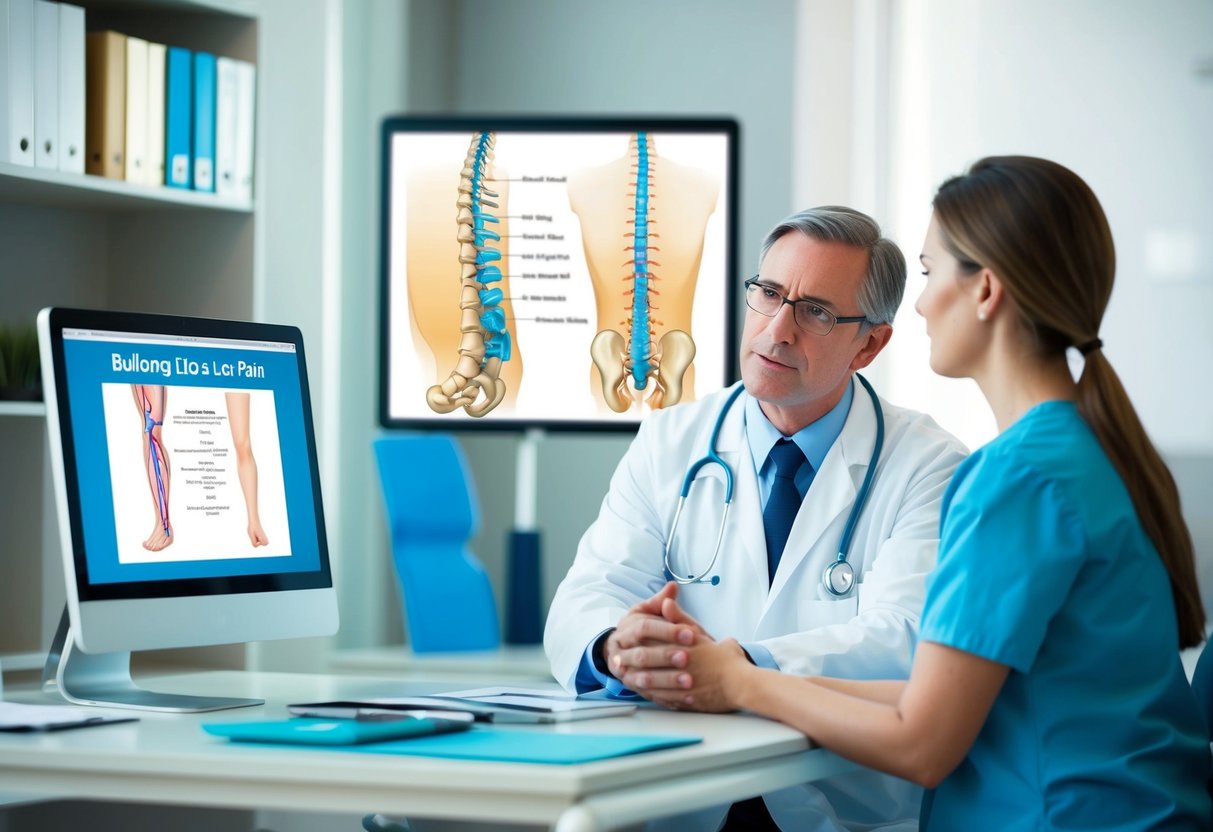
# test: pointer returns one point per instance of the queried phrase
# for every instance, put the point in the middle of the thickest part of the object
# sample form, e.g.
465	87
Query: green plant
19	361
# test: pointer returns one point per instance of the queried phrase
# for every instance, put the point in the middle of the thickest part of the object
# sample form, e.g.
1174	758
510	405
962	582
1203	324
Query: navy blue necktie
783	503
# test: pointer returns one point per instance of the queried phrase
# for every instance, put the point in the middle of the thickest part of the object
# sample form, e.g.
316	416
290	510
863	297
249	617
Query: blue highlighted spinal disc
498	346
493	319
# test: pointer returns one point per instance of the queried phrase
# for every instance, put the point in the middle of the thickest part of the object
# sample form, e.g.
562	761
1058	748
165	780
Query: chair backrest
432	512
1202	685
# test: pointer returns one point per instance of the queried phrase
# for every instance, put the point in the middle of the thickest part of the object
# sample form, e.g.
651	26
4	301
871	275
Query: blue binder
204	121
178	118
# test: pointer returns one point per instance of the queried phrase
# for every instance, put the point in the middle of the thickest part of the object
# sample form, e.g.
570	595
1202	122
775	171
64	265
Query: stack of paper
14	717
520	705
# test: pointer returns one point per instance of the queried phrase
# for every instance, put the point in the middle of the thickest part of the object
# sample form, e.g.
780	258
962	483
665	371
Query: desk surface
167	758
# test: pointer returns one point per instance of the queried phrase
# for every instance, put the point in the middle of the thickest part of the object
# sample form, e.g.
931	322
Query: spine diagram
475	383
633	353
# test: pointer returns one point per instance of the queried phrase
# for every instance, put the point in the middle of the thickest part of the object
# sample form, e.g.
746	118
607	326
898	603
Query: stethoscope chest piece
838	578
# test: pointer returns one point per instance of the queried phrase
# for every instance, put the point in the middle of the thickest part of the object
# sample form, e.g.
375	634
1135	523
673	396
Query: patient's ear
989	294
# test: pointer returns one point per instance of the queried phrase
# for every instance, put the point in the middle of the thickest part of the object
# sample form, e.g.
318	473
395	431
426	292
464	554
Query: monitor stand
105	679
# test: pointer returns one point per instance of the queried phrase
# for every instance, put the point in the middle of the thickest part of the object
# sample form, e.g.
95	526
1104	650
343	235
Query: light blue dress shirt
1044	567
814	442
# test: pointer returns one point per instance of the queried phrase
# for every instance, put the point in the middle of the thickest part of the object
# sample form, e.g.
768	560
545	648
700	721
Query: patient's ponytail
1039	227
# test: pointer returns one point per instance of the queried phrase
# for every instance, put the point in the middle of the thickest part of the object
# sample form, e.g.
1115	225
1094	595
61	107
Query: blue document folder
523	746
178	118
204	121
482	742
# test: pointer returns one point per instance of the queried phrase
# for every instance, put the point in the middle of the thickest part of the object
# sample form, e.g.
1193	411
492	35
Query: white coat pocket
823	613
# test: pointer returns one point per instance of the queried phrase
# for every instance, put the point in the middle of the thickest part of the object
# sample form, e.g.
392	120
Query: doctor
798	443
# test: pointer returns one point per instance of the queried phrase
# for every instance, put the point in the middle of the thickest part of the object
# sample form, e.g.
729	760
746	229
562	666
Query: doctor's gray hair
883	286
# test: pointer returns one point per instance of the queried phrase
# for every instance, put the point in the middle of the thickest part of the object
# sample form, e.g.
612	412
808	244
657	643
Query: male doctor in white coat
820	309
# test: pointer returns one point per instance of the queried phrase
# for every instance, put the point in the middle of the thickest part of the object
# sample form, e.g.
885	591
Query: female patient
1046	691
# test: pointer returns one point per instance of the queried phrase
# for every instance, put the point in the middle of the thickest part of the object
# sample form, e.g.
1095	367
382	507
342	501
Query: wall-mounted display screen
571	274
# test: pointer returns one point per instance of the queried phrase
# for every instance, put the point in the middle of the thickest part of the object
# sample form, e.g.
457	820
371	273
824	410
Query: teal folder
522	746
482	742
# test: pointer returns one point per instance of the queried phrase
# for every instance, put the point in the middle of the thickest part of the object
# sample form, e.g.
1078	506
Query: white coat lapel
744	545
831	494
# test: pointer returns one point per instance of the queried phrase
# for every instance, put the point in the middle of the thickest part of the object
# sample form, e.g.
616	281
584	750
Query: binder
154	169
46	84
204	121
105	104
136	110
17	82
246	127
178	118
226	103
71	88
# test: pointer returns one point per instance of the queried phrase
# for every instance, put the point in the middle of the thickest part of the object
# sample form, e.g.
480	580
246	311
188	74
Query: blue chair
432	512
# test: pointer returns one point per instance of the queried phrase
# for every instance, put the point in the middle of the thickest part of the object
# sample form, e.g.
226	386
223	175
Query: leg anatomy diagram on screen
246	465
150	401
588	259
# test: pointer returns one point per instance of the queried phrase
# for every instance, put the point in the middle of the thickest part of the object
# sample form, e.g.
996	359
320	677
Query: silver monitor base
105	679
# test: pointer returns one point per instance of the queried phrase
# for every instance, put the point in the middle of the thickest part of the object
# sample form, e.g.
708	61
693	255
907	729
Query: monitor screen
560	273
185	465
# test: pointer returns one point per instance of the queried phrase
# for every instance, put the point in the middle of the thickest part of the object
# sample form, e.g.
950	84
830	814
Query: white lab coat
868	635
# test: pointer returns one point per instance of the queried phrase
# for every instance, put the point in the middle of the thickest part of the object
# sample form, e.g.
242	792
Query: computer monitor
188	494
567	273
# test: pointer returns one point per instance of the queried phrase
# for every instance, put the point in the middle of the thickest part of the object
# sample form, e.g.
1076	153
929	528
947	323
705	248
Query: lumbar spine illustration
475	384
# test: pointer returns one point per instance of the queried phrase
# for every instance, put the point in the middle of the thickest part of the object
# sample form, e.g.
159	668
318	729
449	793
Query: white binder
17	82
155	114
46	84
71	88
226	103
136	110
246	127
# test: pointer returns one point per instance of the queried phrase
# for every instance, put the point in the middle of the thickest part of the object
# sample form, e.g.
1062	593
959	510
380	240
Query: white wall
1120	91
1111	89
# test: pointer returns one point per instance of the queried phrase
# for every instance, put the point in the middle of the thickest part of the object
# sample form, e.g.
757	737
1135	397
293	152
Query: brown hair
1039	227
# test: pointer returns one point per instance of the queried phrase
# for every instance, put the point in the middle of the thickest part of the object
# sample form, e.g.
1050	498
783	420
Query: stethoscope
839	576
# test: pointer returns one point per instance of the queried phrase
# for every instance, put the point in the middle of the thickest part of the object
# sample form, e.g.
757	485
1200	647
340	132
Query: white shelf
59	189
37	409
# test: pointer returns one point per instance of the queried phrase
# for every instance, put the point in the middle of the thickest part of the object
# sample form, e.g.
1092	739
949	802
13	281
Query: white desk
166	758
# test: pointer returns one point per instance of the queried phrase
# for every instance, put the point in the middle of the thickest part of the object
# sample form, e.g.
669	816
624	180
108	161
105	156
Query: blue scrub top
1044	567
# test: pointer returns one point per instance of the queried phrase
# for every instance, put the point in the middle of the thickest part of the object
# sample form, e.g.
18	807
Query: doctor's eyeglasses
809	315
